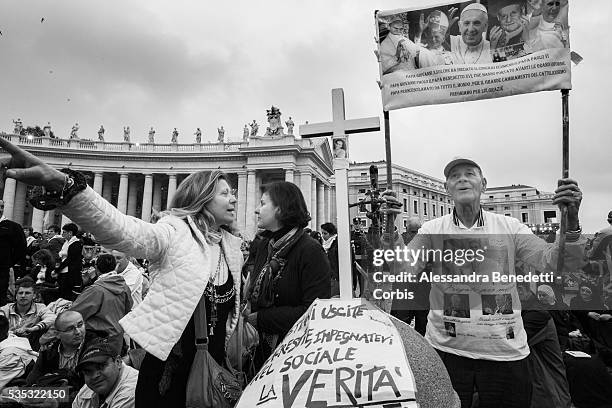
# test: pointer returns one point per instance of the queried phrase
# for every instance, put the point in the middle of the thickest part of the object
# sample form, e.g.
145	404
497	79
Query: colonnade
159	189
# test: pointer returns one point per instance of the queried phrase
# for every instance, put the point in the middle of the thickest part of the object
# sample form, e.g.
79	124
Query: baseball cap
459	160
98	351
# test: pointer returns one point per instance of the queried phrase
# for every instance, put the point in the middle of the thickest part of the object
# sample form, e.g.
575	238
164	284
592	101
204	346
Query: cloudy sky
189	64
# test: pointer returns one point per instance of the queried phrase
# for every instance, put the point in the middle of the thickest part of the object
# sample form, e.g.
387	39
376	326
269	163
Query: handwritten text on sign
339	353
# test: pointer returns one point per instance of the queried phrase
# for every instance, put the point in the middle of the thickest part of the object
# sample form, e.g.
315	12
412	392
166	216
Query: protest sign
455	52
340	353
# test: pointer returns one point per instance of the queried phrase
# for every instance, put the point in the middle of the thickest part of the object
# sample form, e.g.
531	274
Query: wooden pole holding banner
388	150
564	174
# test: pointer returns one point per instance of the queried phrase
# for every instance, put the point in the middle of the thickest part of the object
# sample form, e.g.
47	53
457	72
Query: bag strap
199	320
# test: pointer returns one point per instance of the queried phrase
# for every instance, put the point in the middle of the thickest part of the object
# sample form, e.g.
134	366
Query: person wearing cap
109	383
470	47
481	356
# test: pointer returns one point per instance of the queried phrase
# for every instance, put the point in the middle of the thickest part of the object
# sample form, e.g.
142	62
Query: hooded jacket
103	304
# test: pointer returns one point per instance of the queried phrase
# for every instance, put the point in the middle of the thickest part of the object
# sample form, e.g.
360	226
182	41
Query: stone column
306	187
147	198
314	223
157	193
107	190
334	212
38	219
289	176
251	202
320	204
242	201
132	203
327	203
20	201
171	188
9	197
122	201
98	182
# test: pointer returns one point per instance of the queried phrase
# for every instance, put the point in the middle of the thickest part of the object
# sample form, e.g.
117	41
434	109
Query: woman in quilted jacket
191	255
290	270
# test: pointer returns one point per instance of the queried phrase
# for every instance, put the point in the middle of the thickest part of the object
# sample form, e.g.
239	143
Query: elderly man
509	36
132	275
109	383
481	355
549	29
12	250
470	47
57	362
398	52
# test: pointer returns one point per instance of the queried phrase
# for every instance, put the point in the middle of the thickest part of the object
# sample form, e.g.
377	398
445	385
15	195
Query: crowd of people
110	305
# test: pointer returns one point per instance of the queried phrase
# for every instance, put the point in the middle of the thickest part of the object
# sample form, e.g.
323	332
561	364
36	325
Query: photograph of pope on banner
454	52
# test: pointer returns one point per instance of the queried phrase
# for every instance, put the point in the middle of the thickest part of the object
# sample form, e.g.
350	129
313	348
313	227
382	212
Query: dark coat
12	244
306	277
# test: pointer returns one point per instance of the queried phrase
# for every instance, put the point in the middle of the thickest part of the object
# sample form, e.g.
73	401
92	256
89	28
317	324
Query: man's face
1	208
325	234
550	10
25	296
396	28
102	377
510	17
122	261
71	330
472	24
465	184
500	300
456	301
66	235
523	293
88	252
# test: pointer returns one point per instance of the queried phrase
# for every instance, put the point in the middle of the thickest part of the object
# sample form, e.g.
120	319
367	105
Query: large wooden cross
340	128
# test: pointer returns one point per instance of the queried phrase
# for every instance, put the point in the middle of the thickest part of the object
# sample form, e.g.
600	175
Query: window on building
405	205
507	195
404	190
424	208
416	207
491	209
364	174
415	192
524	217
405	224
549	215
523	194
441	210
508	215
449	210
491	196
506	208
433	210
424	195
362	190
523	207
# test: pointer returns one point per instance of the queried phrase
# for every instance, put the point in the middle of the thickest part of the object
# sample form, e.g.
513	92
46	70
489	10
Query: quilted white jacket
176	260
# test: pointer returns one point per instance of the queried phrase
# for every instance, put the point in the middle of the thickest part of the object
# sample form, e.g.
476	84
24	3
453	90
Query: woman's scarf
327	243
264	287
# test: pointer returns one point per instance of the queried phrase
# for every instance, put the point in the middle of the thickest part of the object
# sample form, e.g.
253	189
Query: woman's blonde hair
192	196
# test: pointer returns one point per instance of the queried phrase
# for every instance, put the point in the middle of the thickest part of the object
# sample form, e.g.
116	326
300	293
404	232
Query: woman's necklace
213	296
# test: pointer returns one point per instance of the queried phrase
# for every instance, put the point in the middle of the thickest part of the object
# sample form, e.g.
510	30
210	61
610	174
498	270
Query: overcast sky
189	64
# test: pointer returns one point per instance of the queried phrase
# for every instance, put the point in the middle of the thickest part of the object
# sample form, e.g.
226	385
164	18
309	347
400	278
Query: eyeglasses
69	329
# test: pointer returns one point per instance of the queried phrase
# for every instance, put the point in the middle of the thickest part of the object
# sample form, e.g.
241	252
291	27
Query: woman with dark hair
290	269
193	259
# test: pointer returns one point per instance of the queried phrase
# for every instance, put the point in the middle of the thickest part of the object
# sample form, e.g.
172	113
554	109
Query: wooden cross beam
339	128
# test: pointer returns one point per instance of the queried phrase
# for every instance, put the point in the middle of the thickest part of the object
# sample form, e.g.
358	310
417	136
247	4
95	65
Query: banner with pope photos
464	51
340	353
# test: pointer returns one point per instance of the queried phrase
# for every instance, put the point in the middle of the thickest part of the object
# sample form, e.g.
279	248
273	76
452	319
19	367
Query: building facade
421	195
526	203
141	178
